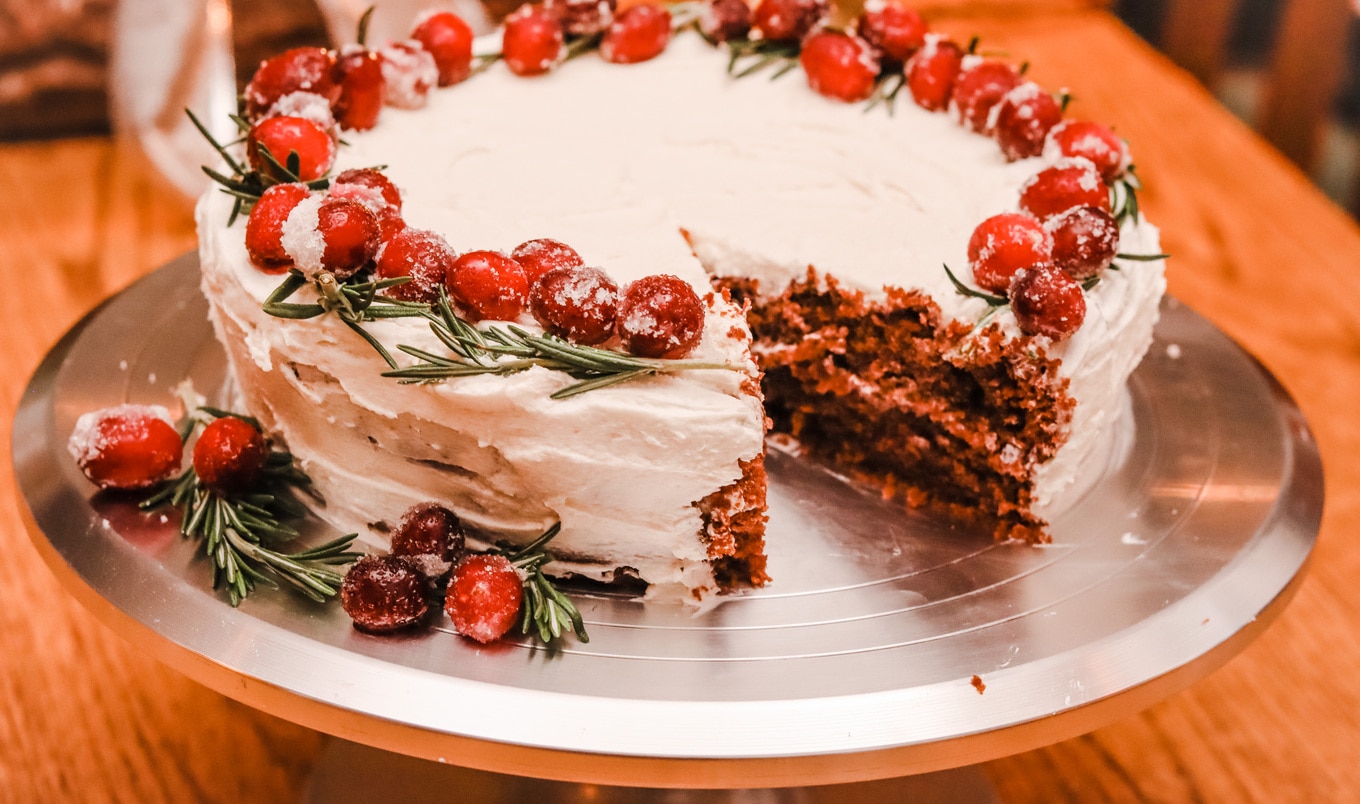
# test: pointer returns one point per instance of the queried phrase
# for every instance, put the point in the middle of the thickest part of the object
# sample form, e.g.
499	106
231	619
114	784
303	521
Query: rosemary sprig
750	56
1141	257
1124	196
511	349
239	530
886	88
354	303
547	613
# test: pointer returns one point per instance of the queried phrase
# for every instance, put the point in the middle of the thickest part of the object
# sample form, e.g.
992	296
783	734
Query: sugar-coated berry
892	30
1046	301
932	71
542	255
1069	183
368	177
363	91
351	234
229	455
723	20
303	69
839	65
382	594
788	20
582	17
429	529
424	256
449	40
637	34
660	316
1005	244
284	136
577	303
410	73
981	85
484	597
532	41
1105	149
1085	241
264	227
1023	119
488	285
126	446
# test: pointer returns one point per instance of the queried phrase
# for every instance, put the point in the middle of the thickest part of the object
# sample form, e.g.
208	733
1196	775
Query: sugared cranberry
484	597
382	594
981	84
1023	119
576	303
449	40
1105	149
788	20
127	446
1004	244
422	255
284	136
368	177
892	30
488	285
582	17
229	455
410	73
308	105
532	42
303	69
932	70
540	256
429	528
638	34
350	232
723	20
1047	301
363	91
1069	183
264	228
1085	241
839	65
660	316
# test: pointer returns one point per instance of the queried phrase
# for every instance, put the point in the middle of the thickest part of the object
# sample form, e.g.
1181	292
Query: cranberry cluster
483	593
537	38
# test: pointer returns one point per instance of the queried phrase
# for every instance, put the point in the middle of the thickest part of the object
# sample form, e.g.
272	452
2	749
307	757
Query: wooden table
1256	249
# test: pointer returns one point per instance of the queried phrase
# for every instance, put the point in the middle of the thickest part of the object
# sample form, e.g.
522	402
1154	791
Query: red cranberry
1048	302
368	177
1023	120
532	41
1004	244
540	256
484	597
382	594
127	446
229	455
1105	149
724	20
932	70
429	529
284	136
892	30
981	84
303	69
839	65
410	73
660	316
264	227
1085	241
576	303
350	232
638	34
1069	183
422	255
488	285
363	91
449	40
788	20
582	17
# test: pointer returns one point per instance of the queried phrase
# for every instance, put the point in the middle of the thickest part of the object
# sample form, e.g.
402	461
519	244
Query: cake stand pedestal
890	643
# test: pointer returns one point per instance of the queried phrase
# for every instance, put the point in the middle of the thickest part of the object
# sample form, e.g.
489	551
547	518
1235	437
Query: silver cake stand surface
889	643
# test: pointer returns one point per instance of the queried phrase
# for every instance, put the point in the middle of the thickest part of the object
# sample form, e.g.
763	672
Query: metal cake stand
889	644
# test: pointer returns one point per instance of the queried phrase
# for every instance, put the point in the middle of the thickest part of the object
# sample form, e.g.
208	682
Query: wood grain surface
1256	249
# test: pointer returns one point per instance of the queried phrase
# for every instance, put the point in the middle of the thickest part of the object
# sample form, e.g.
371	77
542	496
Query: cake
826	243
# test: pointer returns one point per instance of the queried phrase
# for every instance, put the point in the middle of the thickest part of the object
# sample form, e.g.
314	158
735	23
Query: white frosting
766	177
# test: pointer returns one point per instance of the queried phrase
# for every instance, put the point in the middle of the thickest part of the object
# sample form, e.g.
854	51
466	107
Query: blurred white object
393	19
168	56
